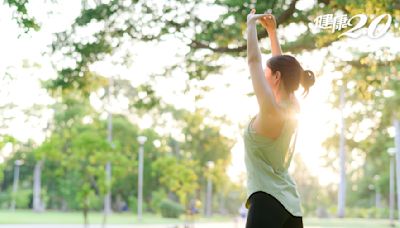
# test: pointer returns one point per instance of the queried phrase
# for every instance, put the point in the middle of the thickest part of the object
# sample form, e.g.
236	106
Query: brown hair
292	74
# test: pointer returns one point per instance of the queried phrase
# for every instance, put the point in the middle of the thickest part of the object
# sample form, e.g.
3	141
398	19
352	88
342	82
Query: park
154	113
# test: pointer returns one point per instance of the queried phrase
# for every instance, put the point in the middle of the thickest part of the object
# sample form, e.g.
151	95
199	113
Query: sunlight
316	123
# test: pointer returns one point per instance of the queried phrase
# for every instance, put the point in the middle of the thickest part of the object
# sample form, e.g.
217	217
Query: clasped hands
267	20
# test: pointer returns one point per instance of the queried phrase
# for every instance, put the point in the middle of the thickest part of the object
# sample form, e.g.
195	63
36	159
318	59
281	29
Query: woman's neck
281	95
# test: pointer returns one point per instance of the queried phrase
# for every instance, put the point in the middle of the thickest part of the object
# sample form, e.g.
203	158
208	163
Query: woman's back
276	152
267	161
271	126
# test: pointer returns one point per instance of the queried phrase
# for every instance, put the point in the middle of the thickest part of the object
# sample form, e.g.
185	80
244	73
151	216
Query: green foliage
369	78
229	198
363	212
313	196
133	204
79	82
5	200
1	172
21	15
22	198
177	177
204	142
146	102
212	39
156	198
99	13
170	209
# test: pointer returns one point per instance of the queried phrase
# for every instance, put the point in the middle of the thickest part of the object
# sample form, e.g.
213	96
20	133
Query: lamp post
397	153
17	164
391	152
107	197
377	192
210	165
142	140
342	143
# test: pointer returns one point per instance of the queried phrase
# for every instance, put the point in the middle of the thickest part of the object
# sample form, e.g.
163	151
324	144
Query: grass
346	223
56	217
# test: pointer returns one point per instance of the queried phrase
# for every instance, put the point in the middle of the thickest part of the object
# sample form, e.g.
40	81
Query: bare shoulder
295	103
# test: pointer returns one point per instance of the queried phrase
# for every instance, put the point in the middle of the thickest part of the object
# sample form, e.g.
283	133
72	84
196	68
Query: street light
342	157
397	157
391	151
210	165
377	192
17	164
107	197
142	140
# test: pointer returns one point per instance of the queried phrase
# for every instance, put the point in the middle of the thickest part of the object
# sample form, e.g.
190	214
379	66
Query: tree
177	177
371	96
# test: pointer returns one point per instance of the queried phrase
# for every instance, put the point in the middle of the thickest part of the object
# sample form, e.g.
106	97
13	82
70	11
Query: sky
316	121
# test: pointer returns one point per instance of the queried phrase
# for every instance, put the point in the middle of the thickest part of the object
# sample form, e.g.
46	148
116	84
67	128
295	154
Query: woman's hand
268	22
252	17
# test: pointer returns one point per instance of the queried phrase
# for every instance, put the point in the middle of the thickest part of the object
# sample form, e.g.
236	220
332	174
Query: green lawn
55	217
346	223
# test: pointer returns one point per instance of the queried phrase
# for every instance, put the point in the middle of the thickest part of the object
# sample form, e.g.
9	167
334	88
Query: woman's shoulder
289	106
291	109
294	103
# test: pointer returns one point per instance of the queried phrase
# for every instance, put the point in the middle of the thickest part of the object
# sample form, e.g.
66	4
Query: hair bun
309	78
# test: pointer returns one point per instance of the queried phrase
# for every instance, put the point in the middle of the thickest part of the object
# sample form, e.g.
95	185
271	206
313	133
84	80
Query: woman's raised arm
262	89
269	23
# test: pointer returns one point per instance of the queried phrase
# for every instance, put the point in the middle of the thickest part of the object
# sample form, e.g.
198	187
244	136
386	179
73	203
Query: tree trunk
85	211
38	206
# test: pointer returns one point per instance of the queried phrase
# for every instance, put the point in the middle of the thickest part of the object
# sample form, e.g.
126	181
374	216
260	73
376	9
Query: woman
272	198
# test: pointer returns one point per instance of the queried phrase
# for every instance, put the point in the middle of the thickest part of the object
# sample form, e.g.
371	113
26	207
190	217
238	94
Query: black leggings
267	212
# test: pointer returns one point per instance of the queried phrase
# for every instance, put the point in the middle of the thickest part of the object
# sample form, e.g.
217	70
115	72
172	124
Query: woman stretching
272	198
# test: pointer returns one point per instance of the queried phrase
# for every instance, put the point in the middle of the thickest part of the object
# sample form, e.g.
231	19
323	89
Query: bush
371	212
95	202
5	200
23	199
156	199
170	209
359	212
133	204
362	212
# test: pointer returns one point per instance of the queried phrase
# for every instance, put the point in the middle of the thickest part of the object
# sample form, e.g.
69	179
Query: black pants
266	211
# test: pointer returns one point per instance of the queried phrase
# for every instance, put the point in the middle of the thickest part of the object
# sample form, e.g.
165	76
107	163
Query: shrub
156	199
23	199
133	204
170	209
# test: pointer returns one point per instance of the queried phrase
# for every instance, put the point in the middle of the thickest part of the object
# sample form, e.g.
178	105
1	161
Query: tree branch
280	19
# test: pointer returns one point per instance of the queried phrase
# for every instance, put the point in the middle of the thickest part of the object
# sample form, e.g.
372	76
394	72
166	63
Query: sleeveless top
267	161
